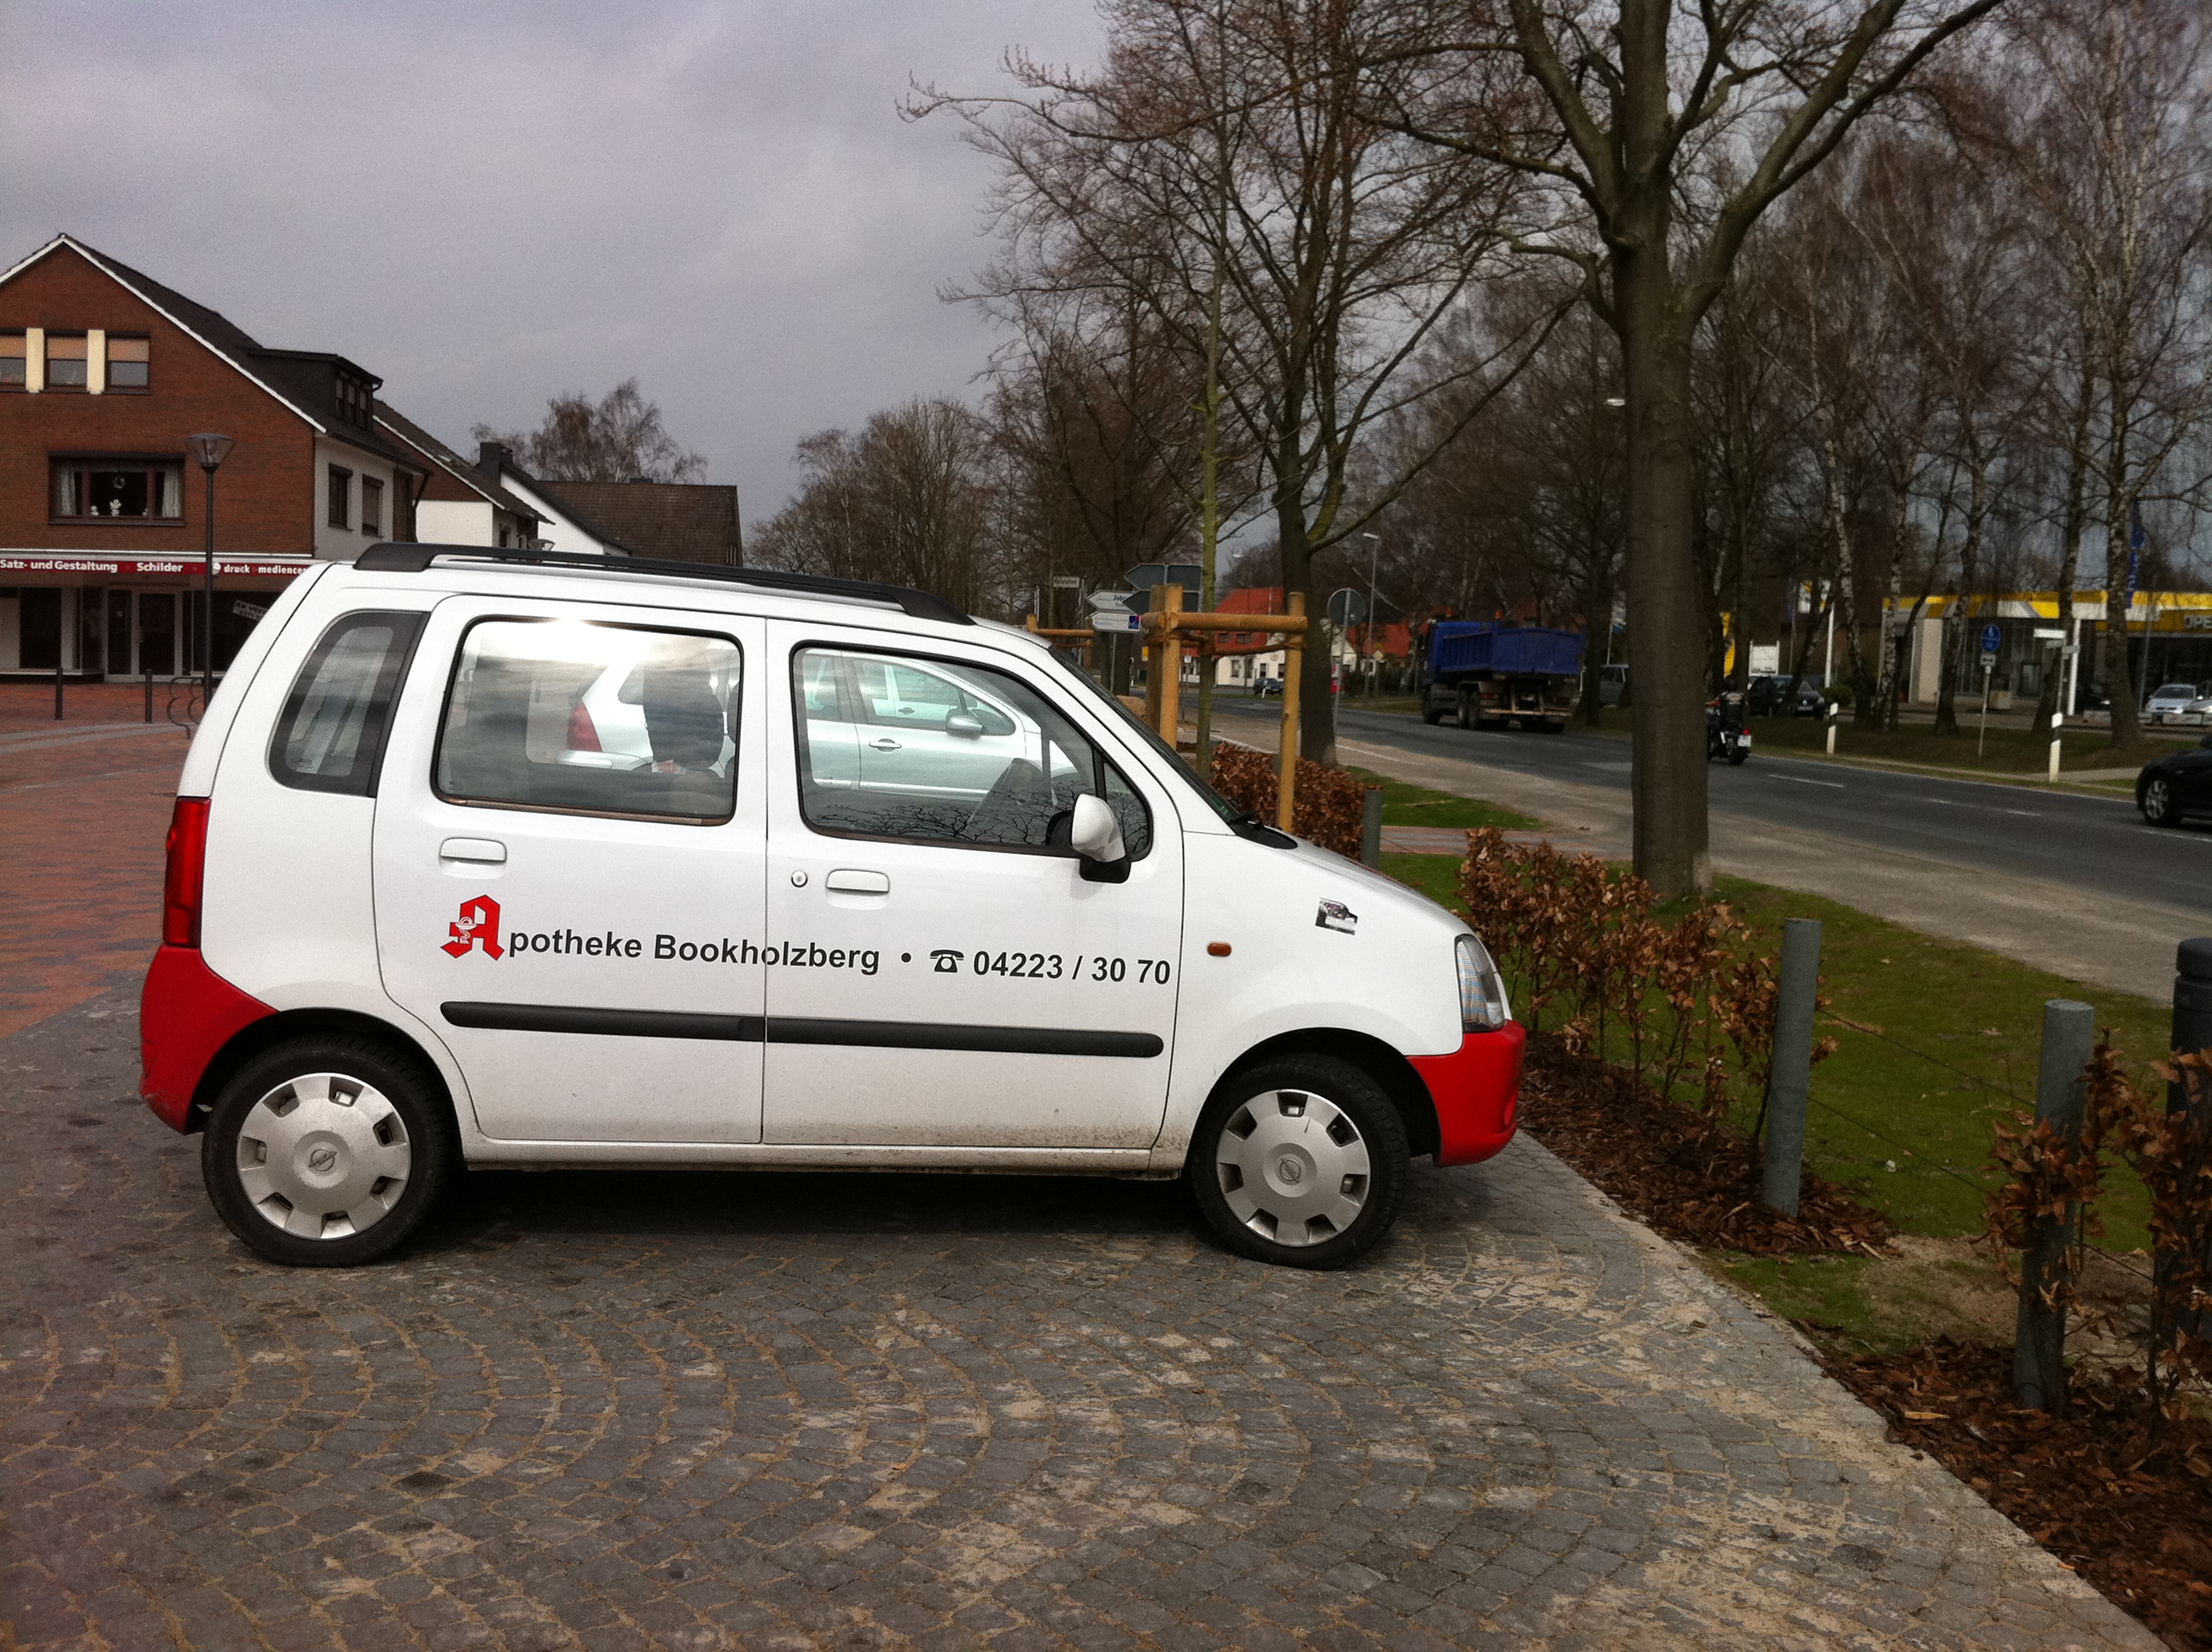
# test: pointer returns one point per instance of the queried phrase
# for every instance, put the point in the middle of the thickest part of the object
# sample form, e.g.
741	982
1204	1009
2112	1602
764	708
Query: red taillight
181	884
583	732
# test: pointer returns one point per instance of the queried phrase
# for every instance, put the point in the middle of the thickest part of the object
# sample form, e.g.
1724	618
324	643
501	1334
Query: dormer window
355	400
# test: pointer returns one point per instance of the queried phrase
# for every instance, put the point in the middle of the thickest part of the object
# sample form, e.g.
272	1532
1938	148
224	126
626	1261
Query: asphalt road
2094	845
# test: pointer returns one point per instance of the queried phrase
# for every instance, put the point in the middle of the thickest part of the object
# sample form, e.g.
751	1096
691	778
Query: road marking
1799	780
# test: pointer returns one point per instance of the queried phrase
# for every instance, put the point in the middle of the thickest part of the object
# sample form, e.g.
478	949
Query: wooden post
1288	765
2039	1359
1167	660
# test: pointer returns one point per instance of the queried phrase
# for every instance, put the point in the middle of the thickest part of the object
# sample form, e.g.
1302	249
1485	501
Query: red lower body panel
186	1014
1477	1090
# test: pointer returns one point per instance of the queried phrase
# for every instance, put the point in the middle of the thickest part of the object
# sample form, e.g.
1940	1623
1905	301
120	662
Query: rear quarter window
330	735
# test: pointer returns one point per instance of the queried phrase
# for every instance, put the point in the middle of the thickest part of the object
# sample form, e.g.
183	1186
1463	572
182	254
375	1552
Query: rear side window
331	737
603	719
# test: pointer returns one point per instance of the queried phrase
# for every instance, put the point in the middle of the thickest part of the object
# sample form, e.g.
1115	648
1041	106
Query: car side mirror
1096	836
961	725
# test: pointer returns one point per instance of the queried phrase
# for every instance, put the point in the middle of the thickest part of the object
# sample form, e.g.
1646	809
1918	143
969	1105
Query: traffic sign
1067	582
1124	621
1110	602
1992	638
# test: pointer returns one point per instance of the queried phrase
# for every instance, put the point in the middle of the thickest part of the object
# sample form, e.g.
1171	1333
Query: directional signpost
1991	639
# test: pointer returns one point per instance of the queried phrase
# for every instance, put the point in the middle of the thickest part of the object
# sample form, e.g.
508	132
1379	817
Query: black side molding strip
627	1023
800	1030
935	1035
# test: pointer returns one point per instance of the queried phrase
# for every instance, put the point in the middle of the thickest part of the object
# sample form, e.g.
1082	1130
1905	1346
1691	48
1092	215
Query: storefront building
2169	641
104	372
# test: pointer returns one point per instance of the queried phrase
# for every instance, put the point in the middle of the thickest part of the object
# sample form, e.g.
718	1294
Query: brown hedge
1329	806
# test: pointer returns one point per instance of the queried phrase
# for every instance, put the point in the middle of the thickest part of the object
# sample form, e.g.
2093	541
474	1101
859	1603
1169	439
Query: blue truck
1490	672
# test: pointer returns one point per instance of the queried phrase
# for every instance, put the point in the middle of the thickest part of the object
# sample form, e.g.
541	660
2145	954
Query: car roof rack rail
389	557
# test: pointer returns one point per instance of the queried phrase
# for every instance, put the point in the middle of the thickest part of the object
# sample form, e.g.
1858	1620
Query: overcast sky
486	203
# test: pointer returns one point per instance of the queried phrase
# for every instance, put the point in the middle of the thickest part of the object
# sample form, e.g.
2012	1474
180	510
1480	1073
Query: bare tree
2115	154
1226	150
1671	130
910	500
619	438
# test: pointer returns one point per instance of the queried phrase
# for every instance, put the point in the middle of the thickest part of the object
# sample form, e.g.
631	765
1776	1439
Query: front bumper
1477	1092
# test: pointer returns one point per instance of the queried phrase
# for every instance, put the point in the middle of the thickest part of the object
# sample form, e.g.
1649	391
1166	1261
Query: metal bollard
1791	1080
1370	829
2038	1355
2192	1031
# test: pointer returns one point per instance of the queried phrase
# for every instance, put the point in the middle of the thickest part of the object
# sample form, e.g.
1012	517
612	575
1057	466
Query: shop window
341	514
372	505
14	362
129	489
66	361
130	363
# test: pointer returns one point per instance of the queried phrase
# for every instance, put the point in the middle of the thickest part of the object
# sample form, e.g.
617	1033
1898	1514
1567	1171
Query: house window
131	489
341	497
14	362
65	361
128	362
372	505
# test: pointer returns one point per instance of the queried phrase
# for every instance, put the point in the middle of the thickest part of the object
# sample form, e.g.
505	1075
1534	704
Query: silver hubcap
1293	1167
324	1155
2154	798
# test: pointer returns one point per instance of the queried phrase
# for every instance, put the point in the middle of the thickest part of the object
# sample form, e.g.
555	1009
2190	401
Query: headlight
1482	1005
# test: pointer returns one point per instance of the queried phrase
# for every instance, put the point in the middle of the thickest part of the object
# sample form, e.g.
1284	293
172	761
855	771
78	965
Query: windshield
2177	691
1220	805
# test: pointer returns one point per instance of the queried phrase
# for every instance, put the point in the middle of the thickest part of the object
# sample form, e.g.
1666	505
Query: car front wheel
1301	1160
2157	802
327	1151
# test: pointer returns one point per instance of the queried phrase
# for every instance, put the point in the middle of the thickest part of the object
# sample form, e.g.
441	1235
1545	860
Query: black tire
1431	713
1469	716
384	1166
1281	1103
1737	757
2156	802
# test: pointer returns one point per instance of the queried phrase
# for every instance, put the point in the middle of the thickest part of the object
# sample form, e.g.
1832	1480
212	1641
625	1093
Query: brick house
104	372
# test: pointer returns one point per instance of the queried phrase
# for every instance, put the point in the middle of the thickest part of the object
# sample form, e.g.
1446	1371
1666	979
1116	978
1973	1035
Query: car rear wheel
1302	1162
2157	802
327	1151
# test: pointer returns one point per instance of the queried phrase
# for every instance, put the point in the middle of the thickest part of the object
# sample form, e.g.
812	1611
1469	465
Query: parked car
1612	685
2171	700
2173	787
860	881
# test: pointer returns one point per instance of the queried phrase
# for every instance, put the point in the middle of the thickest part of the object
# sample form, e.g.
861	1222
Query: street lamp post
209	450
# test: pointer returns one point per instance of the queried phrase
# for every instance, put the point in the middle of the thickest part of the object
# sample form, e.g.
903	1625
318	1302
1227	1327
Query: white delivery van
516	858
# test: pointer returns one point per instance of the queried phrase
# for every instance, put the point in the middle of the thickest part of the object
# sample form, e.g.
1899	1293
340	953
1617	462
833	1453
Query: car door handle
850	881
886	743
482	850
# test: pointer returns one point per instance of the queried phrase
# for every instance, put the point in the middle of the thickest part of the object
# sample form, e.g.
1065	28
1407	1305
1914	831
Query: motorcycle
1726	736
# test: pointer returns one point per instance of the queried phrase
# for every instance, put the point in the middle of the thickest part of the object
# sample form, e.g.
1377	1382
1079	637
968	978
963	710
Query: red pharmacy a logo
478	925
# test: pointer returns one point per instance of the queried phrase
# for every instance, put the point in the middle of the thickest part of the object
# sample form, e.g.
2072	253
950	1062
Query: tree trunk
1665	615
2119	503
1316	708
2071	522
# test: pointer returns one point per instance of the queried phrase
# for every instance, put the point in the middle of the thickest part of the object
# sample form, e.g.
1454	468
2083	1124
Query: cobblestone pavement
737	1411
84	806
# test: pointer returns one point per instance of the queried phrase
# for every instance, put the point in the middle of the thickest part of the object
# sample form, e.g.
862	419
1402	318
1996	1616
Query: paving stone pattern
621	1411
